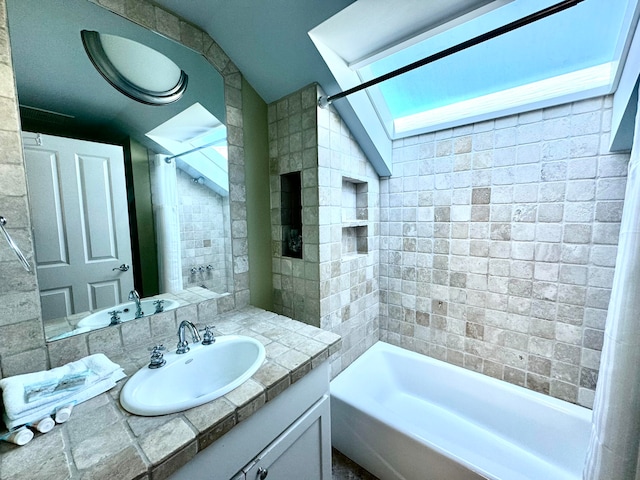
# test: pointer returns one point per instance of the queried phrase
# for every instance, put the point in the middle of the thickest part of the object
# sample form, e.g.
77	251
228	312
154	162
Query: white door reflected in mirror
77	194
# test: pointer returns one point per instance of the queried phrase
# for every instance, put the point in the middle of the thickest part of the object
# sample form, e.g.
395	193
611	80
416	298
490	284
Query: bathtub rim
553	402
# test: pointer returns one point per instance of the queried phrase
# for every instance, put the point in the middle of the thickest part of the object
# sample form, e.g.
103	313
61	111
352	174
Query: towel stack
31	397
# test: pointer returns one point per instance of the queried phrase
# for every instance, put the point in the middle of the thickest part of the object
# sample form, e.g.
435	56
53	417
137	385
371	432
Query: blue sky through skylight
582	36
572	55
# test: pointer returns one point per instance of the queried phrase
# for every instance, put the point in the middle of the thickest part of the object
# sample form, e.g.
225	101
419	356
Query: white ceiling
369	28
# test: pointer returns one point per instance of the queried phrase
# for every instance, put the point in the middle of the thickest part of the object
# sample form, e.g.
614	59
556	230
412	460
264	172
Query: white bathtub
402	415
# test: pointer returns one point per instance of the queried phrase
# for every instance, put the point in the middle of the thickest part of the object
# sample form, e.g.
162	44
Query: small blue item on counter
67	383
93	368
32	396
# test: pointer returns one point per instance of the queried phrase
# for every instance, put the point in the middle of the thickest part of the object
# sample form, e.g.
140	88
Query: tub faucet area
133	295
183	345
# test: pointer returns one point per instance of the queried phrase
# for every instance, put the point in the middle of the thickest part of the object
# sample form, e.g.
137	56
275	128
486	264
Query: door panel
98	221
103	294
56	302
78	198
43	169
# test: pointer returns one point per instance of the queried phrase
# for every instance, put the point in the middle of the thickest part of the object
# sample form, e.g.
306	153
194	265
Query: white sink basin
204	373
102	318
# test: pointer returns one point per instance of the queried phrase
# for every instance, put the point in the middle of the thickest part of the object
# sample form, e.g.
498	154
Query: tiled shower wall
204	234
333	286
293	148
349	219
498	245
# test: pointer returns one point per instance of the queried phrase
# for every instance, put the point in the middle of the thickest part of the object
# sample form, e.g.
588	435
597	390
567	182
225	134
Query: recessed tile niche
291	214
355	217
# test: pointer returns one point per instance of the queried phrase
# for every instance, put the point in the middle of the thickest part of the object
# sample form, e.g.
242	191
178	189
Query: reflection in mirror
127	199
140	72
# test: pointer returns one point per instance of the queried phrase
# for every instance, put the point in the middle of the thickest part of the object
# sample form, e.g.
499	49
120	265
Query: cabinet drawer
302	452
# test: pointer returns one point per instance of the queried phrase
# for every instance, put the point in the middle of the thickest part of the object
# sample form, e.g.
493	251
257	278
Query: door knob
123	268
262	473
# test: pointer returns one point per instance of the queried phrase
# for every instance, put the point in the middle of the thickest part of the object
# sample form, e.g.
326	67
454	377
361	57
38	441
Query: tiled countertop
102	440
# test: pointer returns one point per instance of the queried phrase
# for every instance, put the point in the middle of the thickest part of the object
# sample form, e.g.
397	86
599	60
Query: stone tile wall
326	288
204	233
293	148
498	245
349	222
22	346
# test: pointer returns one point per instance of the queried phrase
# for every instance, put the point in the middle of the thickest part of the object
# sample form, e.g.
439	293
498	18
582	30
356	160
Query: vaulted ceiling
270	42
267	40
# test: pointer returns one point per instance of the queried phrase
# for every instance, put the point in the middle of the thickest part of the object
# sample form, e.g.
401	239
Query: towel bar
13	245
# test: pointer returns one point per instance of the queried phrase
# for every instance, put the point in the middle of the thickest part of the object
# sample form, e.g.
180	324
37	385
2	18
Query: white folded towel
28	393
75	398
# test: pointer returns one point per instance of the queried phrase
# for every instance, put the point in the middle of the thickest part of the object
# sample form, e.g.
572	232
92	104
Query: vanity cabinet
298	452
289	438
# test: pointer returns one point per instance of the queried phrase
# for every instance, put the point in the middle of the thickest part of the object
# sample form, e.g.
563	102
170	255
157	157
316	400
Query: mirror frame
25	348
93	45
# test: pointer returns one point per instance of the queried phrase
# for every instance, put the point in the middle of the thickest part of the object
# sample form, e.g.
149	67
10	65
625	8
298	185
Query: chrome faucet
133	295
183	345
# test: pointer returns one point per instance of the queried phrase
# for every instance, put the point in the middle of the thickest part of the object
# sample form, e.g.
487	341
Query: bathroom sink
204	373
71	333
102	318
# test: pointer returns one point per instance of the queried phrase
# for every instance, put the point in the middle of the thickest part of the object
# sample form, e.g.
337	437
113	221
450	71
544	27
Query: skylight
570	52
199	140
577	53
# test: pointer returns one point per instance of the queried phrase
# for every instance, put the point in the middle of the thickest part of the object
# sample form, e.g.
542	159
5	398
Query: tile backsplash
204	234
335	283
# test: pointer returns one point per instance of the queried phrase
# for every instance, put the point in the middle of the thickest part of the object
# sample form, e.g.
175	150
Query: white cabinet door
302	452
78	202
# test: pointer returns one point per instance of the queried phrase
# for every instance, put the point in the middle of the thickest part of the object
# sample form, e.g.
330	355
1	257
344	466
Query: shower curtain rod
193	150
326	100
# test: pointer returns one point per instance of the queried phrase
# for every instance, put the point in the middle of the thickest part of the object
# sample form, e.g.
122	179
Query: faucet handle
159	304
115	318
207	336
157	357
